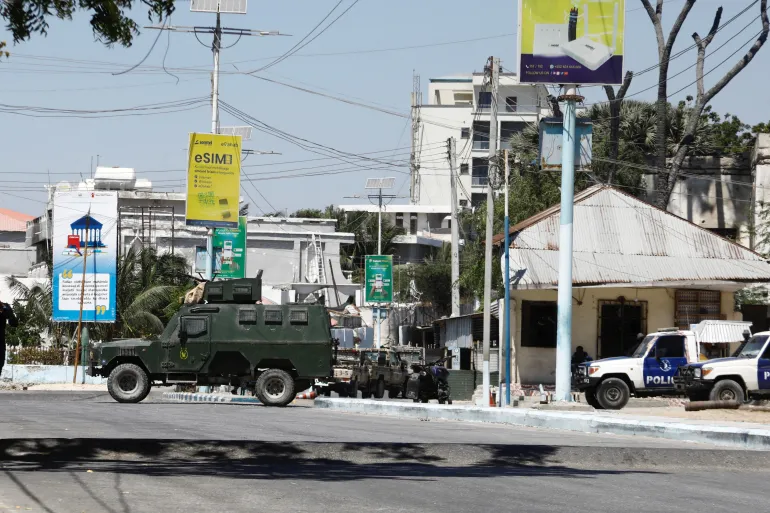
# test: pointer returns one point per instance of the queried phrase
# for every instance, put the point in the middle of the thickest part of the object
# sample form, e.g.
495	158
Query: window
511	103
727	233
273	317
463	98
485	100
481	136
538	323
464	169
463	203
465	133
413	224
399	220
247	316
194	326
694	306
298	316
670	346
478	199
480	172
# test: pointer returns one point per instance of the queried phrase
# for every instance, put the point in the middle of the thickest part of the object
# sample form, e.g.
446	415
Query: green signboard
230	251
379	279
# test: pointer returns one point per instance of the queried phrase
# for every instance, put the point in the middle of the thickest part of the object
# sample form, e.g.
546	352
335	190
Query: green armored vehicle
231	339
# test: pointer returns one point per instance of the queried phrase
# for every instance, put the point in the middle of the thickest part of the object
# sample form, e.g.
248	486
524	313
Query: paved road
206	457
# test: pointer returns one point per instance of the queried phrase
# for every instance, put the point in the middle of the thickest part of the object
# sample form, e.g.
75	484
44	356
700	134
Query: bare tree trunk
704	97
664	54
616	103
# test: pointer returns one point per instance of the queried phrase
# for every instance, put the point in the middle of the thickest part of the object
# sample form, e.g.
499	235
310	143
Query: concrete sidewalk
736	435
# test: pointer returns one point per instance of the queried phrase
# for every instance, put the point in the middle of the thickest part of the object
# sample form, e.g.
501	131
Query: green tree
109	18
309	213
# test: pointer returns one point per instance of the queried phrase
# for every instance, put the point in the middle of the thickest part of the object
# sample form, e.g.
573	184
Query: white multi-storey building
460	107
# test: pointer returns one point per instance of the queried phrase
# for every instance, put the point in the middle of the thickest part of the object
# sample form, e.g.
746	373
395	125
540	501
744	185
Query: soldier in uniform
6	315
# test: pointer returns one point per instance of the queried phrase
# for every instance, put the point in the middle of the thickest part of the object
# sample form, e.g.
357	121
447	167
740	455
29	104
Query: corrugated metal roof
619	239
11	221
721	332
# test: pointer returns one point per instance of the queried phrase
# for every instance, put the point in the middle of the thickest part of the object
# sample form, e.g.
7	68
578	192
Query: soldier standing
6	314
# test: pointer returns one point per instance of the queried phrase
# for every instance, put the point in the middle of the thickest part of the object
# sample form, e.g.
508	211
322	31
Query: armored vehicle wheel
366	392
393	392
275	387
128	383
449	401
353	392
613	394
379	389
727	390
591	399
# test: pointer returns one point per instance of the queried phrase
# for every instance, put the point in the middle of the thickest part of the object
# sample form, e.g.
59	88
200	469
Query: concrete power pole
494	73
414	160
455	229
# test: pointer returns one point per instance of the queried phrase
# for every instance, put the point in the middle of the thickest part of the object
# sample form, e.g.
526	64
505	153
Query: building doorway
619	324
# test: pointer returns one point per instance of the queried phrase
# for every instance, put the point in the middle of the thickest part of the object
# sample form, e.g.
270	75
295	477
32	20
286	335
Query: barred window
273	317
247	316
297	316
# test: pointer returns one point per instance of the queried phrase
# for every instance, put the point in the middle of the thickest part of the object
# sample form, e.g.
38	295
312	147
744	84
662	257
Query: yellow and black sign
183	353
213	180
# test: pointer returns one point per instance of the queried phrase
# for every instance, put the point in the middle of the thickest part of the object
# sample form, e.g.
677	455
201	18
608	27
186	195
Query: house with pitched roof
636	269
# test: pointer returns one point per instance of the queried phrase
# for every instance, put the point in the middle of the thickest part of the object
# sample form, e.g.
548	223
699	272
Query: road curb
190	397
734	437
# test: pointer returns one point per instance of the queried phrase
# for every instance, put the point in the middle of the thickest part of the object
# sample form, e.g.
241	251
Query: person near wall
6	316
580	356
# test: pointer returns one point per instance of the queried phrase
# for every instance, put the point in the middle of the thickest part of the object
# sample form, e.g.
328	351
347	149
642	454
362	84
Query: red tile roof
11	221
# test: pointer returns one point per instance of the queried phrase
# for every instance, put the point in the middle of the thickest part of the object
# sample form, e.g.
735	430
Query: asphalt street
82	452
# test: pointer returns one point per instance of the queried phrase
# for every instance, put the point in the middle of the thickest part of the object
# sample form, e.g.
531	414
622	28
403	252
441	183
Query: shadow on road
318	461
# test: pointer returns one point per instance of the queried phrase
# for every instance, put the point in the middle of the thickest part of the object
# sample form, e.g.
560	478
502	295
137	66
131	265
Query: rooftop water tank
143	185
115	178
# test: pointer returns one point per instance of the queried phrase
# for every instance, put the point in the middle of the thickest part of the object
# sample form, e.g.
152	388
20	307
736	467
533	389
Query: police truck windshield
753	347
642	348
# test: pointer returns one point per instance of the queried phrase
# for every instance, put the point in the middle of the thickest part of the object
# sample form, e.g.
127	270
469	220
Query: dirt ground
713	415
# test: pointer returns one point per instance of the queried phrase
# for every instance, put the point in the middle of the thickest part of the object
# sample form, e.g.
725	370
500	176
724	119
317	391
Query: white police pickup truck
650	370
745	375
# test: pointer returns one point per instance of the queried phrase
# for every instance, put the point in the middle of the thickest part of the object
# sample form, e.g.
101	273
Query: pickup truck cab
650	370
744	375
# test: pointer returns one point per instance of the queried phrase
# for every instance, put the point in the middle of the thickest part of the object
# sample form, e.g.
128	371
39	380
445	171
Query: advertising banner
229	252
379	279
571	41
85	230
213	180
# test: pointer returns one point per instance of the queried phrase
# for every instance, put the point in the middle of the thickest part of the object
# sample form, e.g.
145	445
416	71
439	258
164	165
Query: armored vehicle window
273	317
297	316
194	326
247	316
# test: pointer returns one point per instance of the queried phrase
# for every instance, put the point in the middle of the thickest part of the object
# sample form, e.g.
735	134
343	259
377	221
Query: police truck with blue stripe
651	368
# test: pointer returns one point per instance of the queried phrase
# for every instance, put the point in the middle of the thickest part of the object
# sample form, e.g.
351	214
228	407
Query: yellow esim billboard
571	41
213	180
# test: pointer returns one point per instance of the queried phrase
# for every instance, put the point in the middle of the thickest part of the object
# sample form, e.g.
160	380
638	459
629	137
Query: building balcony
479	181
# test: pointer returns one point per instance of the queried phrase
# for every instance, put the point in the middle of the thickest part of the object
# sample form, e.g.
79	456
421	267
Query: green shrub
38	356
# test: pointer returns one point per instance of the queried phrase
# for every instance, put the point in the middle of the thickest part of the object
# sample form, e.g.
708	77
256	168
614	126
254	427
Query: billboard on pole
571	41
229	259
85	226
213	180
379	279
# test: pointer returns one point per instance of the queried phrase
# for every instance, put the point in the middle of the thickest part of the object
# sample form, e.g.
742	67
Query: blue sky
69	70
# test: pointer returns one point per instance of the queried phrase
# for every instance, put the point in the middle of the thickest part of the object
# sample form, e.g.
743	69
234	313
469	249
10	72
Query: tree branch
702	44
655	18
626	84
678	26
745	60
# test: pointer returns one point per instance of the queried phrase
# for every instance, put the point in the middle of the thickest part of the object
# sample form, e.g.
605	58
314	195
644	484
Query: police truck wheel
727	390
379	389
613	394
128	383
591	399
275	387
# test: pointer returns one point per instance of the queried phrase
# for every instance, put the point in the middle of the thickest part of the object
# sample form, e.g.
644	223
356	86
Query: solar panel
380	183
224	6
243	131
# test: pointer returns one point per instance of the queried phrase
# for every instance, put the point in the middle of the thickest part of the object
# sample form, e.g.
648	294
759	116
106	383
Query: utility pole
82	296
455	229
215	48
494	73
564	323
414	160
507	281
